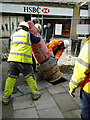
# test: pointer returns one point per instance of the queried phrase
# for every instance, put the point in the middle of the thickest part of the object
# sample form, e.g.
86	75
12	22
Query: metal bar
10	25
63	18
42	25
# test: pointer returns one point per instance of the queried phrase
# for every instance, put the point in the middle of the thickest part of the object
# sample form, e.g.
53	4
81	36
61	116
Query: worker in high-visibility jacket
57	47
20	61
81	78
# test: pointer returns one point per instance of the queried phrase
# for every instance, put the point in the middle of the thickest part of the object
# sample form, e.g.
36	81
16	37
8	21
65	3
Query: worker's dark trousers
34	63
47	40
85	105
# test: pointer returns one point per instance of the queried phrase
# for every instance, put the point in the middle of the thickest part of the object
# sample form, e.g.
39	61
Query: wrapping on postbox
40	51
32	27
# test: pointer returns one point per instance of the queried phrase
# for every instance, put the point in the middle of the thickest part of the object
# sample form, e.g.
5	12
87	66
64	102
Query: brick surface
50	113
65	102
22	102
56	89
25	113
46	101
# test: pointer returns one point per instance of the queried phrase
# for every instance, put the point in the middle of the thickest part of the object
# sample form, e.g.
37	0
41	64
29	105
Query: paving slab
0	110
73	114
40	87
40	84
65	102
7	110
67	76
24	89
50	113
22	102
16	94
65	84
45	84
26	113
77	92
77	100
0	96
46	101
56	89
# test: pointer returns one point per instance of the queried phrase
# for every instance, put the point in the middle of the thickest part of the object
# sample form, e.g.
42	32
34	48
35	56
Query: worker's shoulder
54	41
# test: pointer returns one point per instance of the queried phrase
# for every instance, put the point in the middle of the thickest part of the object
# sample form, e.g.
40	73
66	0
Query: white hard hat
66	43
23	23
38	26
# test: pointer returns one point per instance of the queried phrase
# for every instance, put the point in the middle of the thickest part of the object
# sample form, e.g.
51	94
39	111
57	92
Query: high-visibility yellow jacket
56	48
20	47
81	74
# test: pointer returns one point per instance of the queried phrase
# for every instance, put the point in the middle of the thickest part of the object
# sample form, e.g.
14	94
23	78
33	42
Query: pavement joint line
48	108
59	106
36	108
21	95
23	108
71	110
55	101
20	91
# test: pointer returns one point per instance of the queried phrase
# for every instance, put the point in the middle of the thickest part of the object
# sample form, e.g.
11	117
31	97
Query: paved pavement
55	101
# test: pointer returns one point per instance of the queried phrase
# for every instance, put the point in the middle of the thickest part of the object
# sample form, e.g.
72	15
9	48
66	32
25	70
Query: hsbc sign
36	10
45	10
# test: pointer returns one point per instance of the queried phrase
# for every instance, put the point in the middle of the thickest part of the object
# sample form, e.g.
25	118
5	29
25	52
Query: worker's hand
72	93
72	89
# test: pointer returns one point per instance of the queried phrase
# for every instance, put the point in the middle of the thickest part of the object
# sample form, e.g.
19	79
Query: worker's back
20	47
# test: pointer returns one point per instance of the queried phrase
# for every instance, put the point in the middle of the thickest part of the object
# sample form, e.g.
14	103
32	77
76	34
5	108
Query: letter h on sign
25	9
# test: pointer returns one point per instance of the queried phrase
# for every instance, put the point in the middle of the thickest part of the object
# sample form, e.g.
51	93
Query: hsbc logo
36	10
45	10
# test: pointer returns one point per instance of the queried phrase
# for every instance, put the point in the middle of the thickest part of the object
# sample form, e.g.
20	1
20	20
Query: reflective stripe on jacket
20	47
56	48
81	74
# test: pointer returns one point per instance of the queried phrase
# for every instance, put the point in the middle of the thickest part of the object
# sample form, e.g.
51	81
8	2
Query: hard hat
23	23
38	26
66	43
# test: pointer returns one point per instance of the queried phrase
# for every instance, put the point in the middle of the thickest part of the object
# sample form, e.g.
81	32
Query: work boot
6	100
36	96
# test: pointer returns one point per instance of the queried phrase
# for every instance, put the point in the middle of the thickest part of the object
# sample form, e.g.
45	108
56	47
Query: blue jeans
85	105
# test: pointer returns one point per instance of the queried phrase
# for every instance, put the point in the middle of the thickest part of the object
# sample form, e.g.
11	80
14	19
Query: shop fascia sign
33	9
36	10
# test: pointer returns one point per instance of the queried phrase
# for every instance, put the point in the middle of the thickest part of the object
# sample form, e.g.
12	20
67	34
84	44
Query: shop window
9	25
5	30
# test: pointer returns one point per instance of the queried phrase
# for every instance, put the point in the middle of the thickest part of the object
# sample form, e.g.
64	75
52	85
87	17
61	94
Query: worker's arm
51	45
58	54
34	39
81	66
9	43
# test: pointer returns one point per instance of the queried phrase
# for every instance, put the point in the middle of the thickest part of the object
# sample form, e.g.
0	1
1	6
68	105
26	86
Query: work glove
72	89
